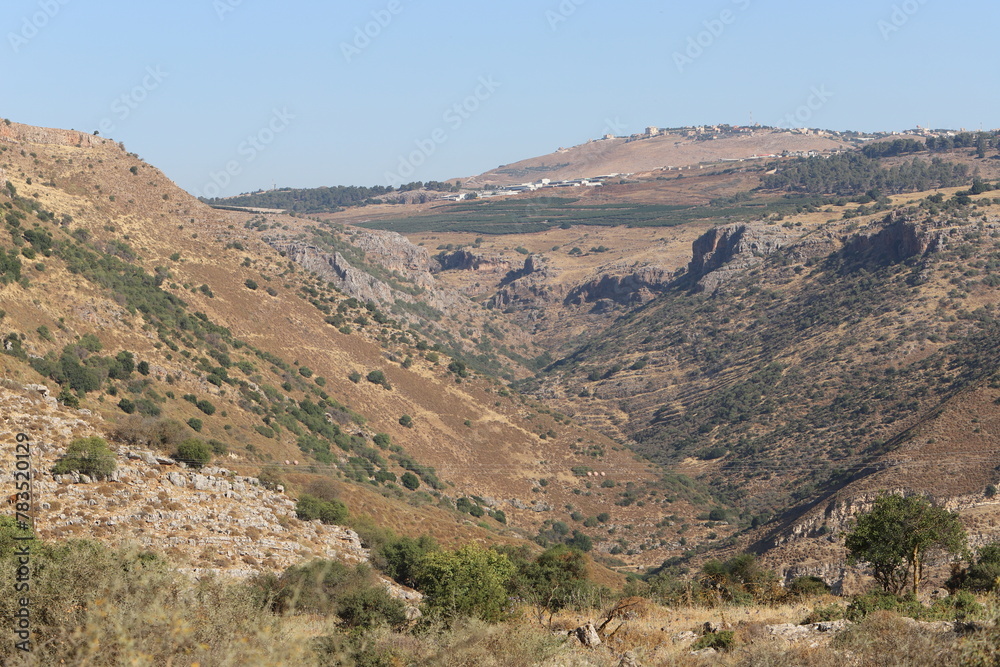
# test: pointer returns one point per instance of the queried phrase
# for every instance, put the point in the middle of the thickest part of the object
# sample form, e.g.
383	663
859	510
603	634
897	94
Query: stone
628	660
587	634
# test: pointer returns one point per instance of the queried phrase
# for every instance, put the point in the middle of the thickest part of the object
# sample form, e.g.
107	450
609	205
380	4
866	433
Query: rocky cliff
624	283
724	252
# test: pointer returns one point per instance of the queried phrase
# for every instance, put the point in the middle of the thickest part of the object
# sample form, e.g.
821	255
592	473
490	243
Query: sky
232	96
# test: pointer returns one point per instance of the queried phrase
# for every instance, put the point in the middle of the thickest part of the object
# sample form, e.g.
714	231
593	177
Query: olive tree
894	536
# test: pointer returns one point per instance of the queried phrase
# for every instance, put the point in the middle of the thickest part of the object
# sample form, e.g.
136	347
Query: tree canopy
894	536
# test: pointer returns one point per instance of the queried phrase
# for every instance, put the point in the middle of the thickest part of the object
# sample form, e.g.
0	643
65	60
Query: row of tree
326	199
852	174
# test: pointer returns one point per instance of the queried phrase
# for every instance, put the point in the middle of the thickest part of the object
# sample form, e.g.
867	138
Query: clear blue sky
201	77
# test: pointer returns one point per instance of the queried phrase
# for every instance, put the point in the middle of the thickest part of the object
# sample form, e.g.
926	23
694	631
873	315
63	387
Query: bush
205	406
864	605
136	430
808	585
126	406
354	377
194	453
410	481
720	641
270	478
406	420
195	423
369	607
378	377
824	614
87	456
469	582
310	508
330	587
251	284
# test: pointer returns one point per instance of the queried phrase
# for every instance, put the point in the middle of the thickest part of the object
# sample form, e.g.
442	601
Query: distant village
699	133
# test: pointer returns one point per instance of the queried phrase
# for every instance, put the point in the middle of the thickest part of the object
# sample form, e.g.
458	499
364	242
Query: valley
661	373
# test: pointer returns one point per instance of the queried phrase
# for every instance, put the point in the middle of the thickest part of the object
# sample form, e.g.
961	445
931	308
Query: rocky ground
209	520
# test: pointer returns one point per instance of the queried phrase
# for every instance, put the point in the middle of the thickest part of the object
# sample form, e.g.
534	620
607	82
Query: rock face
622	283
466	260
398	276
723	252
893	240
395	252
527	287
335	268
16	133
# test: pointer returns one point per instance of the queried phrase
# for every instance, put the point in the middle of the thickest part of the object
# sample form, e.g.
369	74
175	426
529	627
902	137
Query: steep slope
128	297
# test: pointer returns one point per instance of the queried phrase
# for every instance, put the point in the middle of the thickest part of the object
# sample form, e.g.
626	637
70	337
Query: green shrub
309	508
824	614
471	581
126	406
720	641
808	585
195	423
406	420
87	456
194	452
410	481
378	377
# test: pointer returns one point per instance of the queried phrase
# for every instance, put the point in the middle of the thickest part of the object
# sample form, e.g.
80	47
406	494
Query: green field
539	214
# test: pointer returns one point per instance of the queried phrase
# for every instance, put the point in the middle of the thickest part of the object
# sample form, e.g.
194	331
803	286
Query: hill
699	362
676	149
289	346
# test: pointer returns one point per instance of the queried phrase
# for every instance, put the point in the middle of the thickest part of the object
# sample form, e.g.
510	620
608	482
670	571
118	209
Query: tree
309	508
87	456
551	582
194	453
469	582
410	481
894	536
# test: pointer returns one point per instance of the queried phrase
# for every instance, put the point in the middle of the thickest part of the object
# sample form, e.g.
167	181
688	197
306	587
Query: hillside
790	350
677	149
129	299
655	370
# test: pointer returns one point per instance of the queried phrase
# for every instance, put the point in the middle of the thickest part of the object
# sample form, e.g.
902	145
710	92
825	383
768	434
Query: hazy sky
228	96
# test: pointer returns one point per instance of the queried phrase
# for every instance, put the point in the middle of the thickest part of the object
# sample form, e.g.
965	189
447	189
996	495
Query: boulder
587	634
